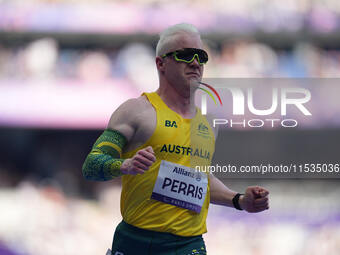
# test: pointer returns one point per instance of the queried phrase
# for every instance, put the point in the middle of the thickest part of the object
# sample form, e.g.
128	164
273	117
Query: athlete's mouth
193	73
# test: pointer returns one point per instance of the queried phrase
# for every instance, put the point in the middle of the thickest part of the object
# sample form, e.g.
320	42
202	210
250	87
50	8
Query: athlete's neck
184	106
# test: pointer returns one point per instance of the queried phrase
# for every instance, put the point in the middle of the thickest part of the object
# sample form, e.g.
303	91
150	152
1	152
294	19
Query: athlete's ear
160	64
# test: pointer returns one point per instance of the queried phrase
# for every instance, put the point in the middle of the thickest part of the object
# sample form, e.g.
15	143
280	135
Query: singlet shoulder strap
155	100
158	103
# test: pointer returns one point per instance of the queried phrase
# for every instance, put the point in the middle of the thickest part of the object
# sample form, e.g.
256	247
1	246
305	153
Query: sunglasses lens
203	56
188	55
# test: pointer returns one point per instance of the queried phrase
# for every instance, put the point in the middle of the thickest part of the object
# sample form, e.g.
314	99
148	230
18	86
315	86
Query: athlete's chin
195	78
189	87
194	83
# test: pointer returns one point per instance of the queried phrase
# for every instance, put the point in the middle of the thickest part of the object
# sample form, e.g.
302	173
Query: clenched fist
140	162
255	199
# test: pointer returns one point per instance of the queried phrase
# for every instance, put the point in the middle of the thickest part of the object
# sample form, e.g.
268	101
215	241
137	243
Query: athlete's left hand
255	199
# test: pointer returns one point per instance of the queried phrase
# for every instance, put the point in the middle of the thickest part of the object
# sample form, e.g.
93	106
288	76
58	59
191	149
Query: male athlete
148	141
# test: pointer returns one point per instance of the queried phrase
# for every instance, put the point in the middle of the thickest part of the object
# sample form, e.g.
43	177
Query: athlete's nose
195	62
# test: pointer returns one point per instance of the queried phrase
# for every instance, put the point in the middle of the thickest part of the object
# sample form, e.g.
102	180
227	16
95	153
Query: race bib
180	186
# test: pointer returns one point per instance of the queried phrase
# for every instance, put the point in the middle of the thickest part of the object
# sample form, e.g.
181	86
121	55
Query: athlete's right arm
104	162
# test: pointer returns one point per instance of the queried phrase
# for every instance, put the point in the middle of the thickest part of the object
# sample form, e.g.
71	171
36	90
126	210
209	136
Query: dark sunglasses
188	55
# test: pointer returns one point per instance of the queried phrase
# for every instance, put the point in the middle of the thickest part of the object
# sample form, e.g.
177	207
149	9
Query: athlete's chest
166	129
160	125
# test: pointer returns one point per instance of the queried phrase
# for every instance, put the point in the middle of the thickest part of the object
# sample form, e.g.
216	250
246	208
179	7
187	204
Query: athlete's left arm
220	194
255	198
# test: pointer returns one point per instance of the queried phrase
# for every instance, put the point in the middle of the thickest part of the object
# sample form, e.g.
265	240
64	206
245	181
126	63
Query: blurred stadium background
66	65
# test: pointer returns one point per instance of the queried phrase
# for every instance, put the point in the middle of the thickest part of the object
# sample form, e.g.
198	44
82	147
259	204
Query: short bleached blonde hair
167	36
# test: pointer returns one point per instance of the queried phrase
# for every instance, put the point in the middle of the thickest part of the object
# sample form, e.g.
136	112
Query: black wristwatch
236	201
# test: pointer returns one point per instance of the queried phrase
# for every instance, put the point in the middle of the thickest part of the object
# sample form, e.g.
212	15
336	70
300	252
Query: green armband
104	161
